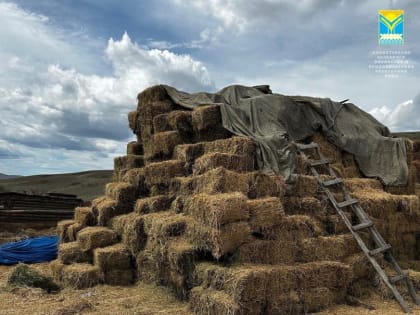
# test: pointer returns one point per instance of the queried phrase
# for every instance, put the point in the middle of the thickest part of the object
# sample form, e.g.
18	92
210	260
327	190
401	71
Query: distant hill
86	185
4	176
413	135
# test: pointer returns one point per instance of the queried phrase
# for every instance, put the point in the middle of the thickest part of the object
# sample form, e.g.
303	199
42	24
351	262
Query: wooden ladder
364	224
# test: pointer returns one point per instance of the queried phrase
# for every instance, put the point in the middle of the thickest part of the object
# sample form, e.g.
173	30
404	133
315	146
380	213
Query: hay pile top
189	209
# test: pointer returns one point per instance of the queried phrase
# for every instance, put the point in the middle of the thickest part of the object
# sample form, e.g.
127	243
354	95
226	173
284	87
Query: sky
70	71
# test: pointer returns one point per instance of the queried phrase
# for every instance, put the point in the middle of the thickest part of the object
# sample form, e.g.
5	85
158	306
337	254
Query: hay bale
234	162
71	252
212	302
216	210
217	181
130	229
188	153
136	177
181	121
62	227
333	248
292	228
287	303
161	123
356	184
23	275
352	171
162	172
207	123
57	267
153	204
262	185
335	225
163	225
304	205
112	257
416	164
265	213
94	237
84	216
72	231
161	146
81	276
235	145
132	121
415	278
120	277
219	241
128	161
106	210
147	113
148	267
316	299
271	252
152	94
329	150
306	186
135	148
124	193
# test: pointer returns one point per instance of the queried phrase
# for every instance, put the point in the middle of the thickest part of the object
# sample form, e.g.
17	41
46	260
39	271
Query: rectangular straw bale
147	113
220	180
84	216
306	186
416	164
234	162
269	252
62	227
415	278
130	229
357	184
294	227
334	224
360	266
161	123
107	209
162	225
304	205
287	303
133	121
135	148
128	161
333	275
163	172
153	204
81	276
123	193
112	257
94	237
206	301
264	185
161	146
56	267
235	145
216	210
316	299
181	121
72	231
148	267
265	213
119	277
71	252
352	172
339	169
136	177
153	94
329	150
207	123
221	241
188	153
332	248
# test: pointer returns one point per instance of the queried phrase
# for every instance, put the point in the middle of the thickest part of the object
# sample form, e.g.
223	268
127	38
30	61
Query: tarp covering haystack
213	201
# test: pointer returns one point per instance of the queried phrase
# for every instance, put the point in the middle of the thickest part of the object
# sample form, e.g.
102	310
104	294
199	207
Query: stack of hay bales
189	210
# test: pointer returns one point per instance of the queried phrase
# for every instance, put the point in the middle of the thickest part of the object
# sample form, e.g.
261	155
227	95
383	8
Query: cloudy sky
70	70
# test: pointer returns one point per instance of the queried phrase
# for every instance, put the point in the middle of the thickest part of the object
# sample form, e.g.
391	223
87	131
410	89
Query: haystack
189	209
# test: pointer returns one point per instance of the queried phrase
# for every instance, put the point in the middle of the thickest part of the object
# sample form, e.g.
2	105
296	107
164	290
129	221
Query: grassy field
414	135
86	185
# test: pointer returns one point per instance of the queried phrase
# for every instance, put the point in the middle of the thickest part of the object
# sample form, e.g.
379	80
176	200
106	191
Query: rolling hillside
86	185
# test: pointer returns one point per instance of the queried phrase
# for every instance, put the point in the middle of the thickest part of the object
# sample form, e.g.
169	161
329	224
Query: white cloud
404	117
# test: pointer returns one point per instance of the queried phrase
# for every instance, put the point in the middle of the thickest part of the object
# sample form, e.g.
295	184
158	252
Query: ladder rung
309	146
347	203
331	182
319	162
398	278
362	226
380	250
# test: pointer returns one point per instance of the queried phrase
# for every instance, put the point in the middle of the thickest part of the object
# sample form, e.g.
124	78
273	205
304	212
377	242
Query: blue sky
70	70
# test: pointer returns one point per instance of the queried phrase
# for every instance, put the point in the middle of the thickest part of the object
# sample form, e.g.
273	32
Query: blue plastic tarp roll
33	250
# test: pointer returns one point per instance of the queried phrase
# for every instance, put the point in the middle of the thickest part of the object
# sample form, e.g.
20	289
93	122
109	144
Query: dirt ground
139	299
